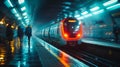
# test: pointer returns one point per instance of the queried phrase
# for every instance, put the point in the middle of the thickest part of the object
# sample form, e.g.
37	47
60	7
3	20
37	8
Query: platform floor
100	42
21	55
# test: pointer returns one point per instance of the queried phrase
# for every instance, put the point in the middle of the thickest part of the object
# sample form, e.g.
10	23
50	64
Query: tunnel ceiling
44	11
50	9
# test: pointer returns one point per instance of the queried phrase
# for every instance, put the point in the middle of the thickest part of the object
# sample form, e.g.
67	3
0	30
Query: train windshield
71	26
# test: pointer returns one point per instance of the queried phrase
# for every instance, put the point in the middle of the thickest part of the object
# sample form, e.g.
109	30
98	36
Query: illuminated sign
72	21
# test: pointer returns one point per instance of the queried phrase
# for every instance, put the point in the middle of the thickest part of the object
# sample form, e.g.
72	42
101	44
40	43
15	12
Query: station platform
100	42
21	55
39	54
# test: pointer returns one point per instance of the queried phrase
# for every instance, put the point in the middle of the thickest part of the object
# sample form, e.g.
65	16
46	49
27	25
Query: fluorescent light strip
23	23
17	15
20	1
23	8
88	15
114	6
77	15
98	12
8	3
24	14
110	2
19	18
95	8
84	13
14	11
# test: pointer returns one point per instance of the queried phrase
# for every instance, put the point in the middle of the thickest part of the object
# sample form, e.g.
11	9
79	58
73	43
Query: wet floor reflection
18	54
6	52
64	58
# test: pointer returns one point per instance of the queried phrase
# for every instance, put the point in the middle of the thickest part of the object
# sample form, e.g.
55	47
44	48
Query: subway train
67	32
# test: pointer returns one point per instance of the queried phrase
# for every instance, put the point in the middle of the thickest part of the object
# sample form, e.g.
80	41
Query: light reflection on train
67	32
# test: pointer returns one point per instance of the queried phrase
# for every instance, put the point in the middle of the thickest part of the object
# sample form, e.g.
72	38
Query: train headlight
66	35
78	35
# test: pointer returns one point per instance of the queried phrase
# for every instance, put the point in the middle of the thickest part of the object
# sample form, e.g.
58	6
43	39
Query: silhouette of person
9	33
20	33
28	33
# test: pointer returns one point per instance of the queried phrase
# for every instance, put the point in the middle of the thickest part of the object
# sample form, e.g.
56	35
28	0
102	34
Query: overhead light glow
82	17
20	1
77	16
24	14
88	15
67	3
23	23
67	7
27	20
1	22
114	7
84	13
14	11
8	3
95	8
98	12
110	2
17	15
19	18
23	8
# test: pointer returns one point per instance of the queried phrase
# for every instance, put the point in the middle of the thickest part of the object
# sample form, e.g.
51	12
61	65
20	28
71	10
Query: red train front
71	30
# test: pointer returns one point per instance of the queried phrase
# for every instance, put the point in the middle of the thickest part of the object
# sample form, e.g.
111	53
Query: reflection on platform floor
19	54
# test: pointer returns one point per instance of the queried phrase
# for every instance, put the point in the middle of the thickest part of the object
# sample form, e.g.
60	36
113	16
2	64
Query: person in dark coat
9	33
20	33
28	33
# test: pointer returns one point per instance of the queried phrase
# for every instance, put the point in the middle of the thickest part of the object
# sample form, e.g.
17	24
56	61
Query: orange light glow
12	46
12	27
65	35
78	35
1	22
7	24
62	58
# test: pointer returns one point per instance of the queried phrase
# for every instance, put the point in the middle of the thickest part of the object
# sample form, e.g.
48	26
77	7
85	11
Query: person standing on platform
28	33
9	33
9	37
20	33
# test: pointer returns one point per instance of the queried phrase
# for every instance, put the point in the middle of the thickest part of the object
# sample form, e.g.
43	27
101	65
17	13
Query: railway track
89	59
